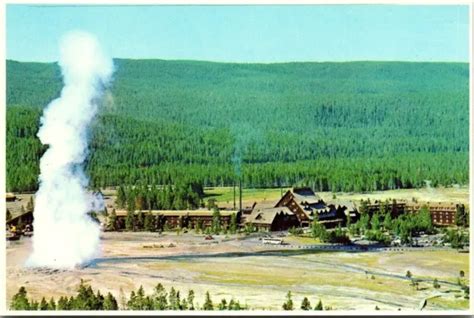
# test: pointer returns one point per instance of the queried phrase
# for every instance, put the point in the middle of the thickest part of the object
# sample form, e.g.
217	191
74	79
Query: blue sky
247	33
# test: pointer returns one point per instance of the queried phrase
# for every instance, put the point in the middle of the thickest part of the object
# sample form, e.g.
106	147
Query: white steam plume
64	235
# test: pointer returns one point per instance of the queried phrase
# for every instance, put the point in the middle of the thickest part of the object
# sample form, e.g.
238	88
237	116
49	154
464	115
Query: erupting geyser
64	235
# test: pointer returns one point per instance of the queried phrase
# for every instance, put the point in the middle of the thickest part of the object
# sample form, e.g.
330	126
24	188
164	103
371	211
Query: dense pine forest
353	126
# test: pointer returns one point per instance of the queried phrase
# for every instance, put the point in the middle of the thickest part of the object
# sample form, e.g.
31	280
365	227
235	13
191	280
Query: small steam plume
428	185
64	234
245	134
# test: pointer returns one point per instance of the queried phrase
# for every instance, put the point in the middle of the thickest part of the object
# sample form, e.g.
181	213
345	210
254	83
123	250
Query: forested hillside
334	126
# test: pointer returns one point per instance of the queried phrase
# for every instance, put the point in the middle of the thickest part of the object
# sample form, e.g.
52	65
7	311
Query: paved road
358	248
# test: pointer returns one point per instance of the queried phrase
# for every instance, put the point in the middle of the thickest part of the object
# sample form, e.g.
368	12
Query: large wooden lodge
299	207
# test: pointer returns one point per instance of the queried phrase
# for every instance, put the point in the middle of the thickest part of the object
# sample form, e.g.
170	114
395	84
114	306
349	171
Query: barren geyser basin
245	270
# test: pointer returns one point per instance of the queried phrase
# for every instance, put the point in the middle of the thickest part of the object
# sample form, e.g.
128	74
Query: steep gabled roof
305	195
267	215
302	196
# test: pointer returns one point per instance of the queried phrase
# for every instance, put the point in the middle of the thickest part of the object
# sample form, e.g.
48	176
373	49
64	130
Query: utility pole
234	195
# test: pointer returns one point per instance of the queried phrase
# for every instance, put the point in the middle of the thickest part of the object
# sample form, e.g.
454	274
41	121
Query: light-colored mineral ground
241	269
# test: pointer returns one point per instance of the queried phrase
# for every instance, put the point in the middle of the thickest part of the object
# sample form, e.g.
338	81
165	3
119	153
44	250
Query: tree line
183	194
159	299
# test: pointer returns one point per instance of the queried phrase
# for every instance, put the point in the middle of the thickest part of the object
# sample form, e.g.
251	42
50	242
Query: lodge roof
305	195
264	205
18	216
350	205
267	215
200	212
10	196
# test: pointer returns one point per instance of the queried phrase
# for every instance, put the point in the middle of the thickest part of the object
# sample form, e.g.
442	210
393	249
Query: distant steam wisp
64	235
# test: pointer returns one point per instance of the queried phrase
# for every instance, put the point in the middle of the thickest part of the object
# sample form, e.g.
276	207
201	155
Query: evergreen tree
375	222
85	299
364	222
140	221
121	197
199	225
211	204
423	220
461	217
288	305
387	222
34	305
190	299
222	304
110	303
20	300
148	223
231	304
363	209
173	299
319	231
384	208
130	221
184	304
62	303
112	224
52	304
319	306
305	304
234	305
159	298
71	303
233	223
43	304
208	303
216	221
99	301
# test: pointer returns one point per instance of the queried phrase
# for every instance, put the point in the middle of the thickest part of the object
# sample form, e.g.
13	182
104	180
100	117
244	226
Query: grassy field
225	195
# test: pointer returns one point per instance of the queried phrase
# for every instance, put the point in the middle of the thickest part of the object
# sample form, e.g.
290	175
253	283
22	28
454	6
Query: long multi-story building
184	218
442	213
